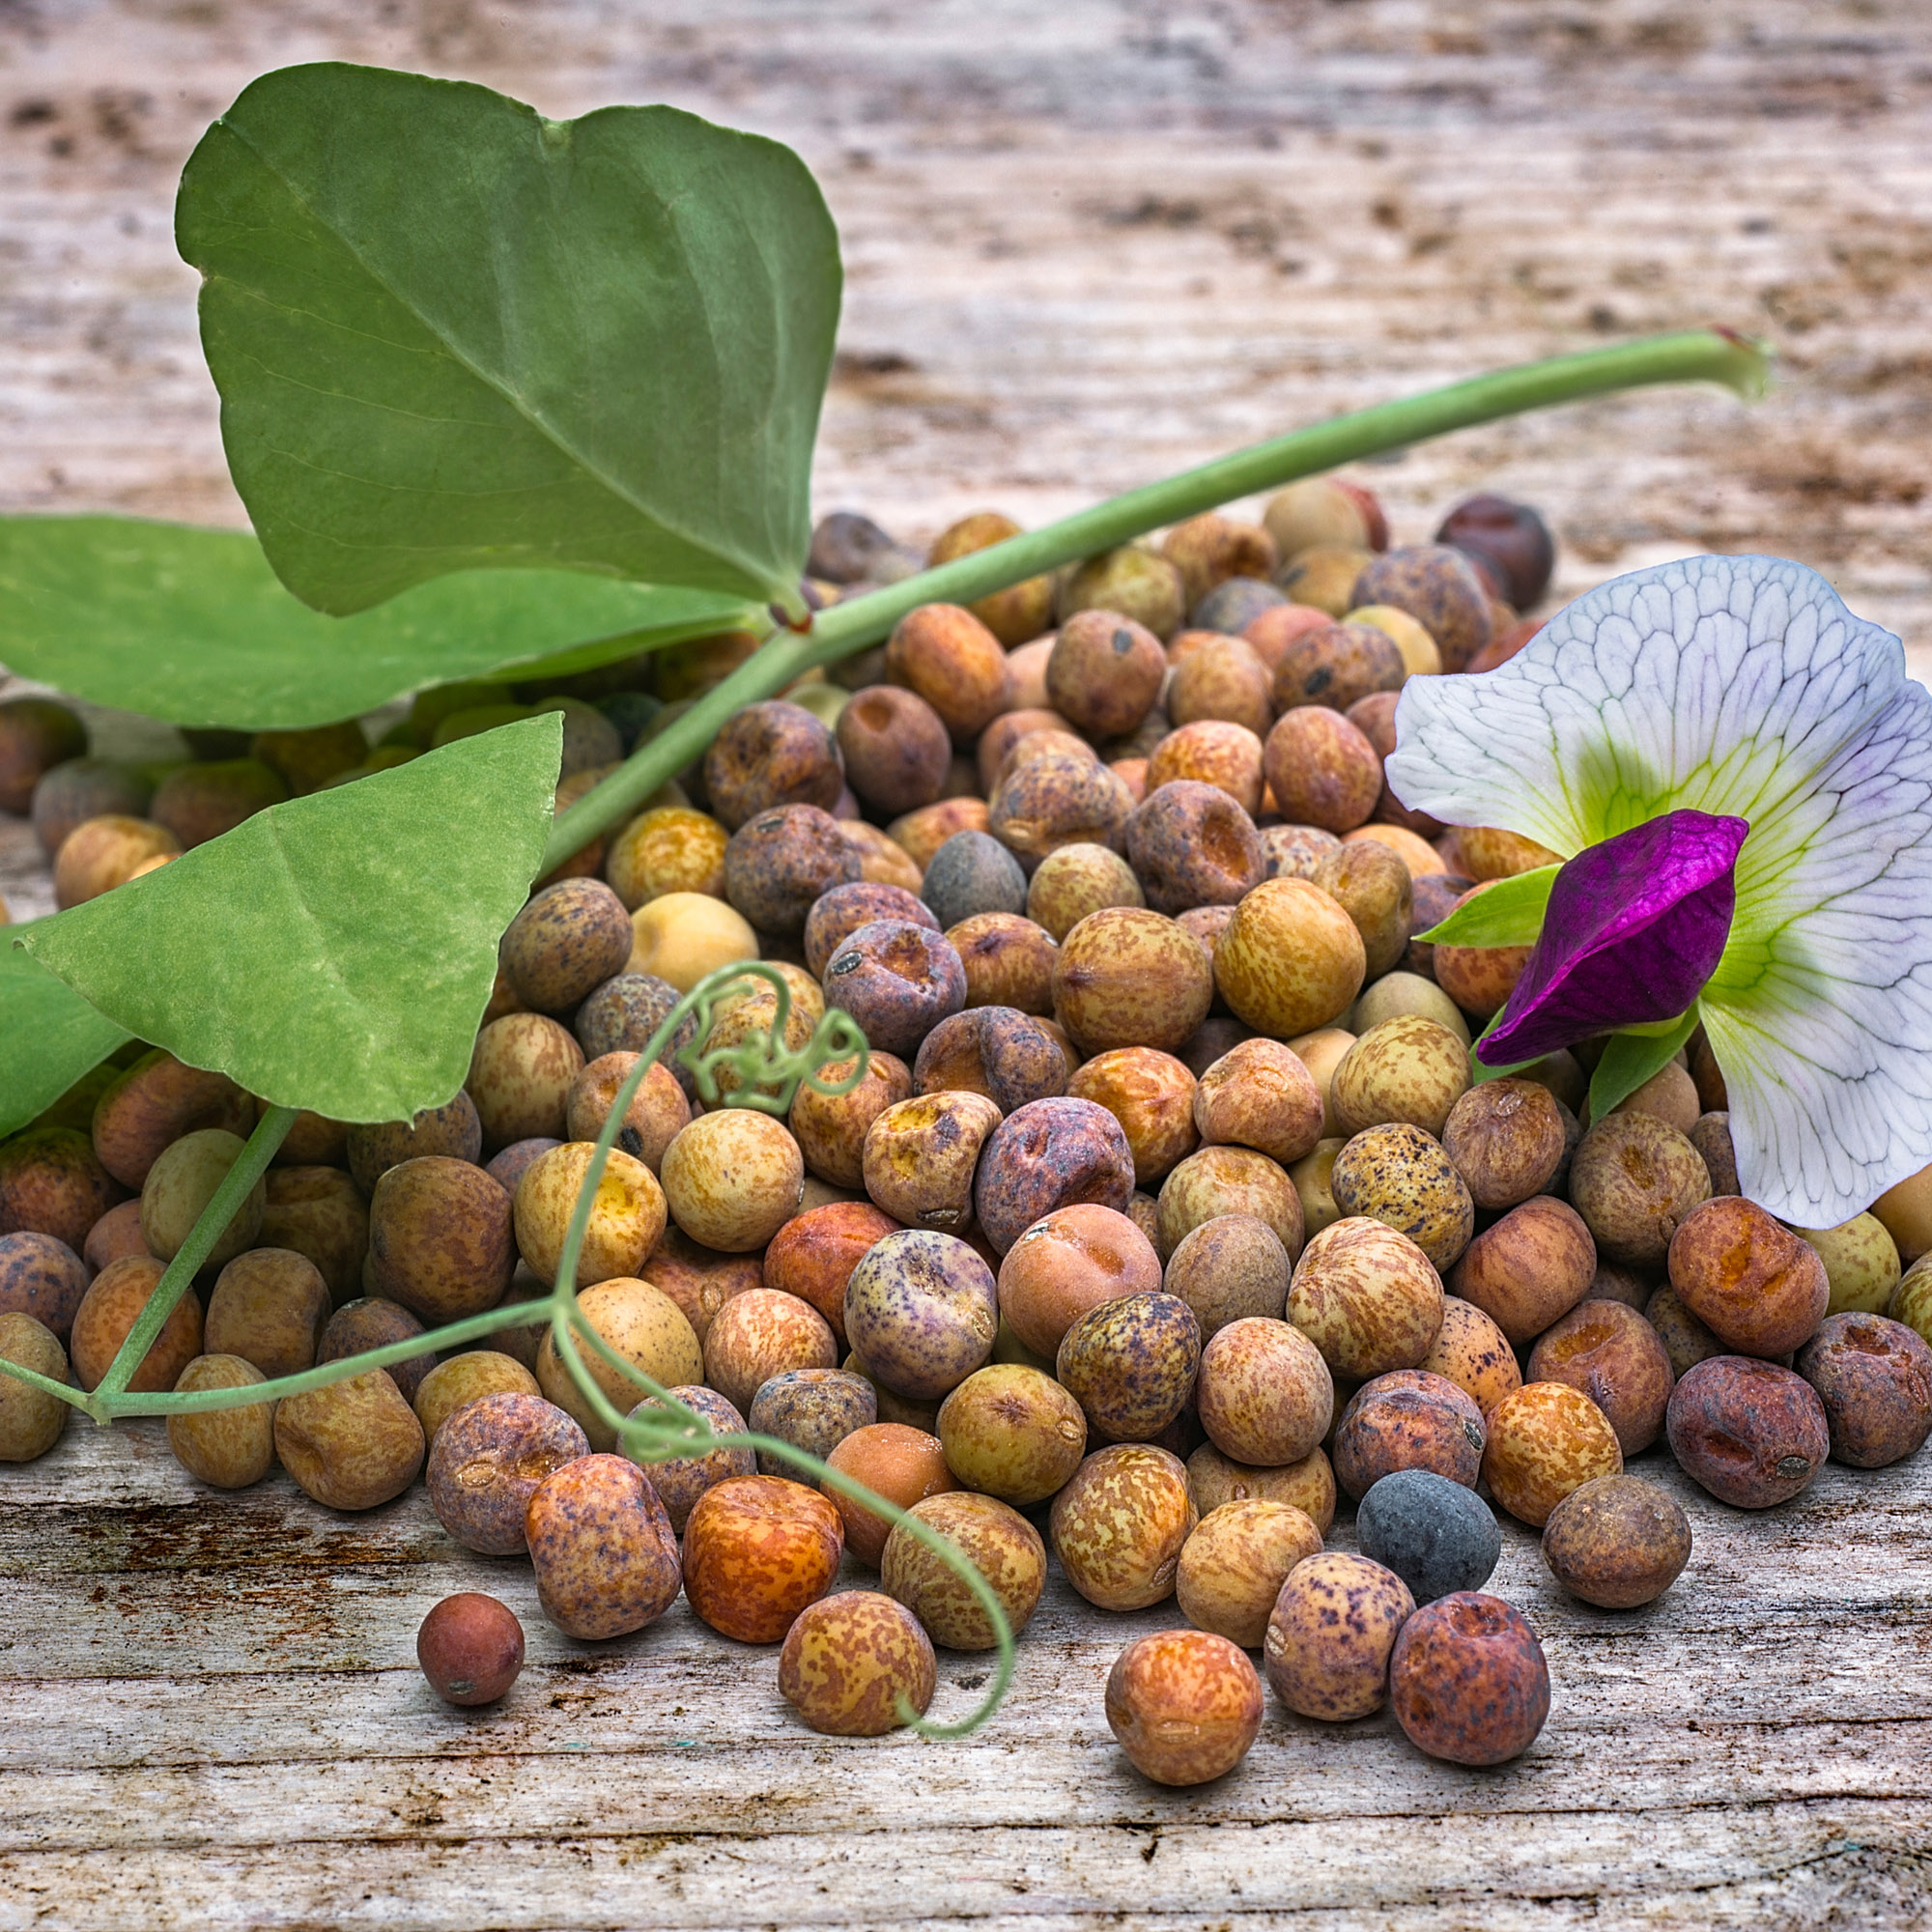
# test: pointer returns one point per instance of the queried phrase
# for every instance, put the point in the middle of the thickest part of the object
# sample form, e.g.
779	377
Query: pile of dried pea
1165	1210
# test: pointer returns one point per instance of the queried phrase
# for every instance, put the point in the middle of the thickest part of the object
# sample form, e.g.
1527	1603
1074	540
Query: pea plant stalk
1690	355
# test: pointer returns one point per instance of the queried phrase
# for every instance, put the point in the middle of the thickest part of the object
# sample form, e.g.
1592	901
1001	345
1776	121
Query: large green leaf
192	625
450	333
52	1036
336	951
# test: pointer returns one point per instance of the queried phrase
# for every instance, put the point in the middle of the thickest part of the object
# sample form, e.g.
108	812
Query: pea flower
1711	703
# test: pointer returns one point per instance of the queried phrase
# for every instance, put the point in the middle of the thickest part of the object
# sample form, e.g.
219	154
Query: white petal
1737	685
1711	681
1821	1011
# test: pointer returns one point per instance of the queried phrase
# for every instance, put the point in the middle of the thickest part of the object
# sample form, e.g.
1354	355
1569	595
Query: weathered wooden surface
211	1715
1087	242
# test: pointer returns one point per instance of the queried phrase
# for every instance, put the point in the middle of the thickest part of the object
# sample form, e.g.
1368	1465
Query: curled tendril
769	1073
661	1427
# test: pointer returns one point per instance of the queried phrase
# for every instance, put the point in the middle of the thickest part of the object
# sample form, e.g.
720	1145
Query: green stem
1691	356
471	1328
251	1164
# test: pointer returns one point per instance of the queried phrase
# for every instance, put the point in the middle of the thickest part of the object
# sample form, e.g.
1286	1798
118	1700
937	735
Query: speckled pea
605	1559
922	1311
1130	1364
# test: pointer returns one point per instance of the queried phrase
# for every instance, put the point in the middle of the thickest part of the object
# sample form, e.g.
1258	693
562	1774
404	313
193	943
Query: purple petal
1634	928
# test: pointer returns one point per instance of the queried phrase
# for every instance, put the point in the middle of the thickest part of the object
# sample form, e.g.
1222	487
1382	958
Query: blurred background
1089	241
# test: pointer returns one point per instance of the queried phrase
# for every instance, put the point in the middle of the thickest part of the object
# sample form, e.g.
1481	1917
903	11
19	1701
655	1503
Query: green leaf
337	951
192	625
52	1035
1506	912
1632	1058
451	334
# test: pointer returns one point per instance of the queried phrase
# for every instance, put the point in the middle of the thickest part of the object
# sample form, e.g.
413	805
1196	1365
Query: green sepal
1632	1057
1506	912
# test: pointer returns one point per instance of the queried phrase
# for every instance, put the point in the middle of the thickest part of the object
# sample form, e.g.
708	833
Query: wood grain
1086	243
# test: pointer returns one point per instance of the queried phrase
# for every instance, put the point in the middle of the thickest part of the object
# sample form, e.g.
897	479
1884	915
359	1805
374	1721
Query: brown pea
1011	1432
644	1326
1184	1705
839	913
152	1104
1874	1377
996	1051
1309	1485
31	1420
1296	851
1120	1524
1224	682
520	1074
470	1649
101	853
565	943
1753	1433
1007	961
1336	664
680	1479
849	1661
1216	1180
200	801
1544	1440
44	1278
920	834
1265	1396
225	1448
897	1461
954	661
732	1179
1409	1419
1529	1269
319	1212
1127	977
1229	1269
1131	1364
1711	1135
995	1539
602	1546
268	1308
1492	853
106	1317
780	861
831	1128
670	849
1440	588
371	1323
1076	880
1260	1094
352	1445
1669	1094
1069	1261
1368	1298
76	789
52	1184
1760	1289
1105	672
1506	1138
770	753
1209	549
1151	1096
920	1155
464	1379
1373	886
1232	1567
1618	1542
1291	960
1050	1154
1472	1351
1612	1354
756	1550
1224	754
657	1111
1330	1635
1190	845
180	1184
487	1459
1320	769
36	735
440	1239
1058	798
